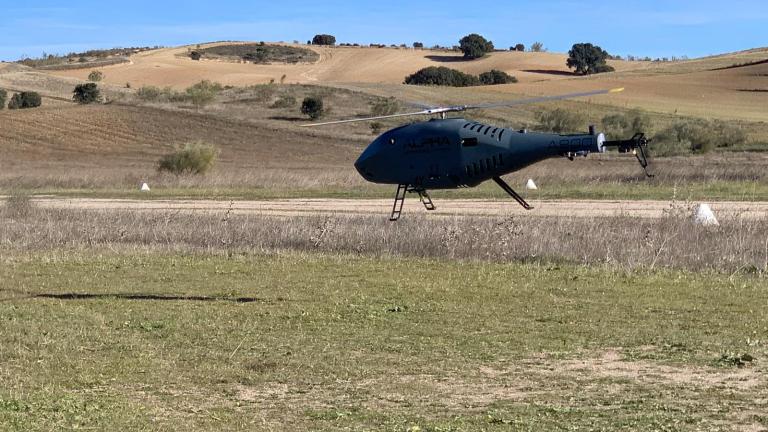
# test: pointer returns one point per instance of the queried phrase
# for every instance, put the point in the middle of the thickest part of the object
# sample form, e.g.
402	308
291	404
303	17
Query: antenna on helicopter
441	111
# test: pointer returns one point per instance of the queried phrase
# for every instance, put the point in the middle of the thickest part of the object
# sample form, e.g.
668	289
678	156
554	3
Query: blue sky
653	27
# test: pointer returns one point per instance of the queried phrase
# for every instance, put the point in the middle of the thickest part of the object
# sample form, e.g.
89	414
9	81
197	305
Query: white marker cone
530	185
144	187
703	215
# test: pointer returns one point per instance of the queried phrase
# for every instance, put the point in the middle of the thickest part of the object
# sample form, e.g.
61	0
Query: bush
194	158
86	93
623	126
697	136
442	76
148	93
518	47
604	68
587	58
195	55
418	45
95	76
203	93
324	39
496	77
475	46
537	47
3	98
312	106
560	121
18	205
25	100
284	101
384	106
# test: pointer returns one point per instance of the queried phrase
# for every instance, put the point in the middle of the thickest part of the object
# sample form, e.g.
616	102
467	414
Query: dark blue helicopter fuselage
454	153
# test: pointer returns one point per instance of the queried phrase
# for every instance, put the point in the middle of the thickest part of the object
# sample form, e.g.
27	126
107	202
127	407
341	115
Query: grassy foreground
172	341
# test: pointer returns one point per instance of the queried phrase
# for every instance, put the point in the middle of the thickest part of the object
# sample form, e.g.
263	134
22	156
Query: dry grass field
166	321
687	88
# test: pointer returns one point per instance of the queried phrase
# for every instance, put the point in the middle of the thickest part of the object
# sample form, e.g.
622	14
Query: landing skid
426	200
512	193
397	208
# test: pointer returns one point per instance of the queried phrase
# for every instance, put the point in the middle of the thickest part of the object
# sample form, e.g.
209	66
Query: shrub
25	100
418	45
312	106
697	136
604	68
18	205
203	93
518	47
727	134
537	47
324	39
623	126
95	76
587	58
442	76
284	101
376	128
384	106
560	121
496	77
475	46
148	93
195	55
86	93
3	98
194	158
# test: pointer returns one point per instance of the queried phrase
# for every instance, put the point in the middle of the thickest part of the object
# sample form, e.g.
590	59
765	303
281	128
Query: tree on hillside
588	59
312	106
418	45
25	100
324	39
86	93
475	46
3	97
537	47
494	77
519	47
441	76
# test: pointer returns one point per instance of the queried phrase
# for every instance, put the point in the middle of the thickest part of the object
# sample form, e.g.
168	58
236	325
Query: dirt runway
445	207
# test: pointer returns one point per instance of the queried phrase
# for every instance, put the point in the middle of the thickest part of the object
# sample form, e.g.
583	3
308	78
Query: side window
469	142
575	142
586	142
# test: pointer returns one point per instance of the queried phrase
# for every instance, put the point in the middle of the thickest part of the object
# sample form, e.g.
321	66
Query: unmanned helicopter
451	153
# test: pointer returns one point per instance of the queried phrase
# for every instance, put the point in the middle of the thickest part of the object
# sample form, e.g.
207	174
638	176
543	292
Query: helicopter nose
363	166
366	164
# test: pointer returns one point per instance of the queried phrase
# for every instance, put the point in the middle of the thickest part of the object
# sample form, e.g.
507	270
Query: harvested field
687	88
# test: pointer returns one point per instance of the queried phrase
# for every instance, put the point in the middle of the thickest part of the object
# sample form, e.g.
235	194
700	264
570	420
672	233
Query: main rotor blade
366	119
424	112
543	99
459	108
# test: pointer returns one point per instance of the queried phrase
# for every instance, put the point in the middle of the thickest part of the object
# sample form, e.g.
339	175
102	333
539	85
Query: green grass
316	342
642	190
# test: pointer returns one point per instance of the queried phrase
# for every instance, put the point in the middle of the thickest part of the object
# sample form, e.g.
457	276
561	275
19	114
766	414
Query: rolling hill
697	87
